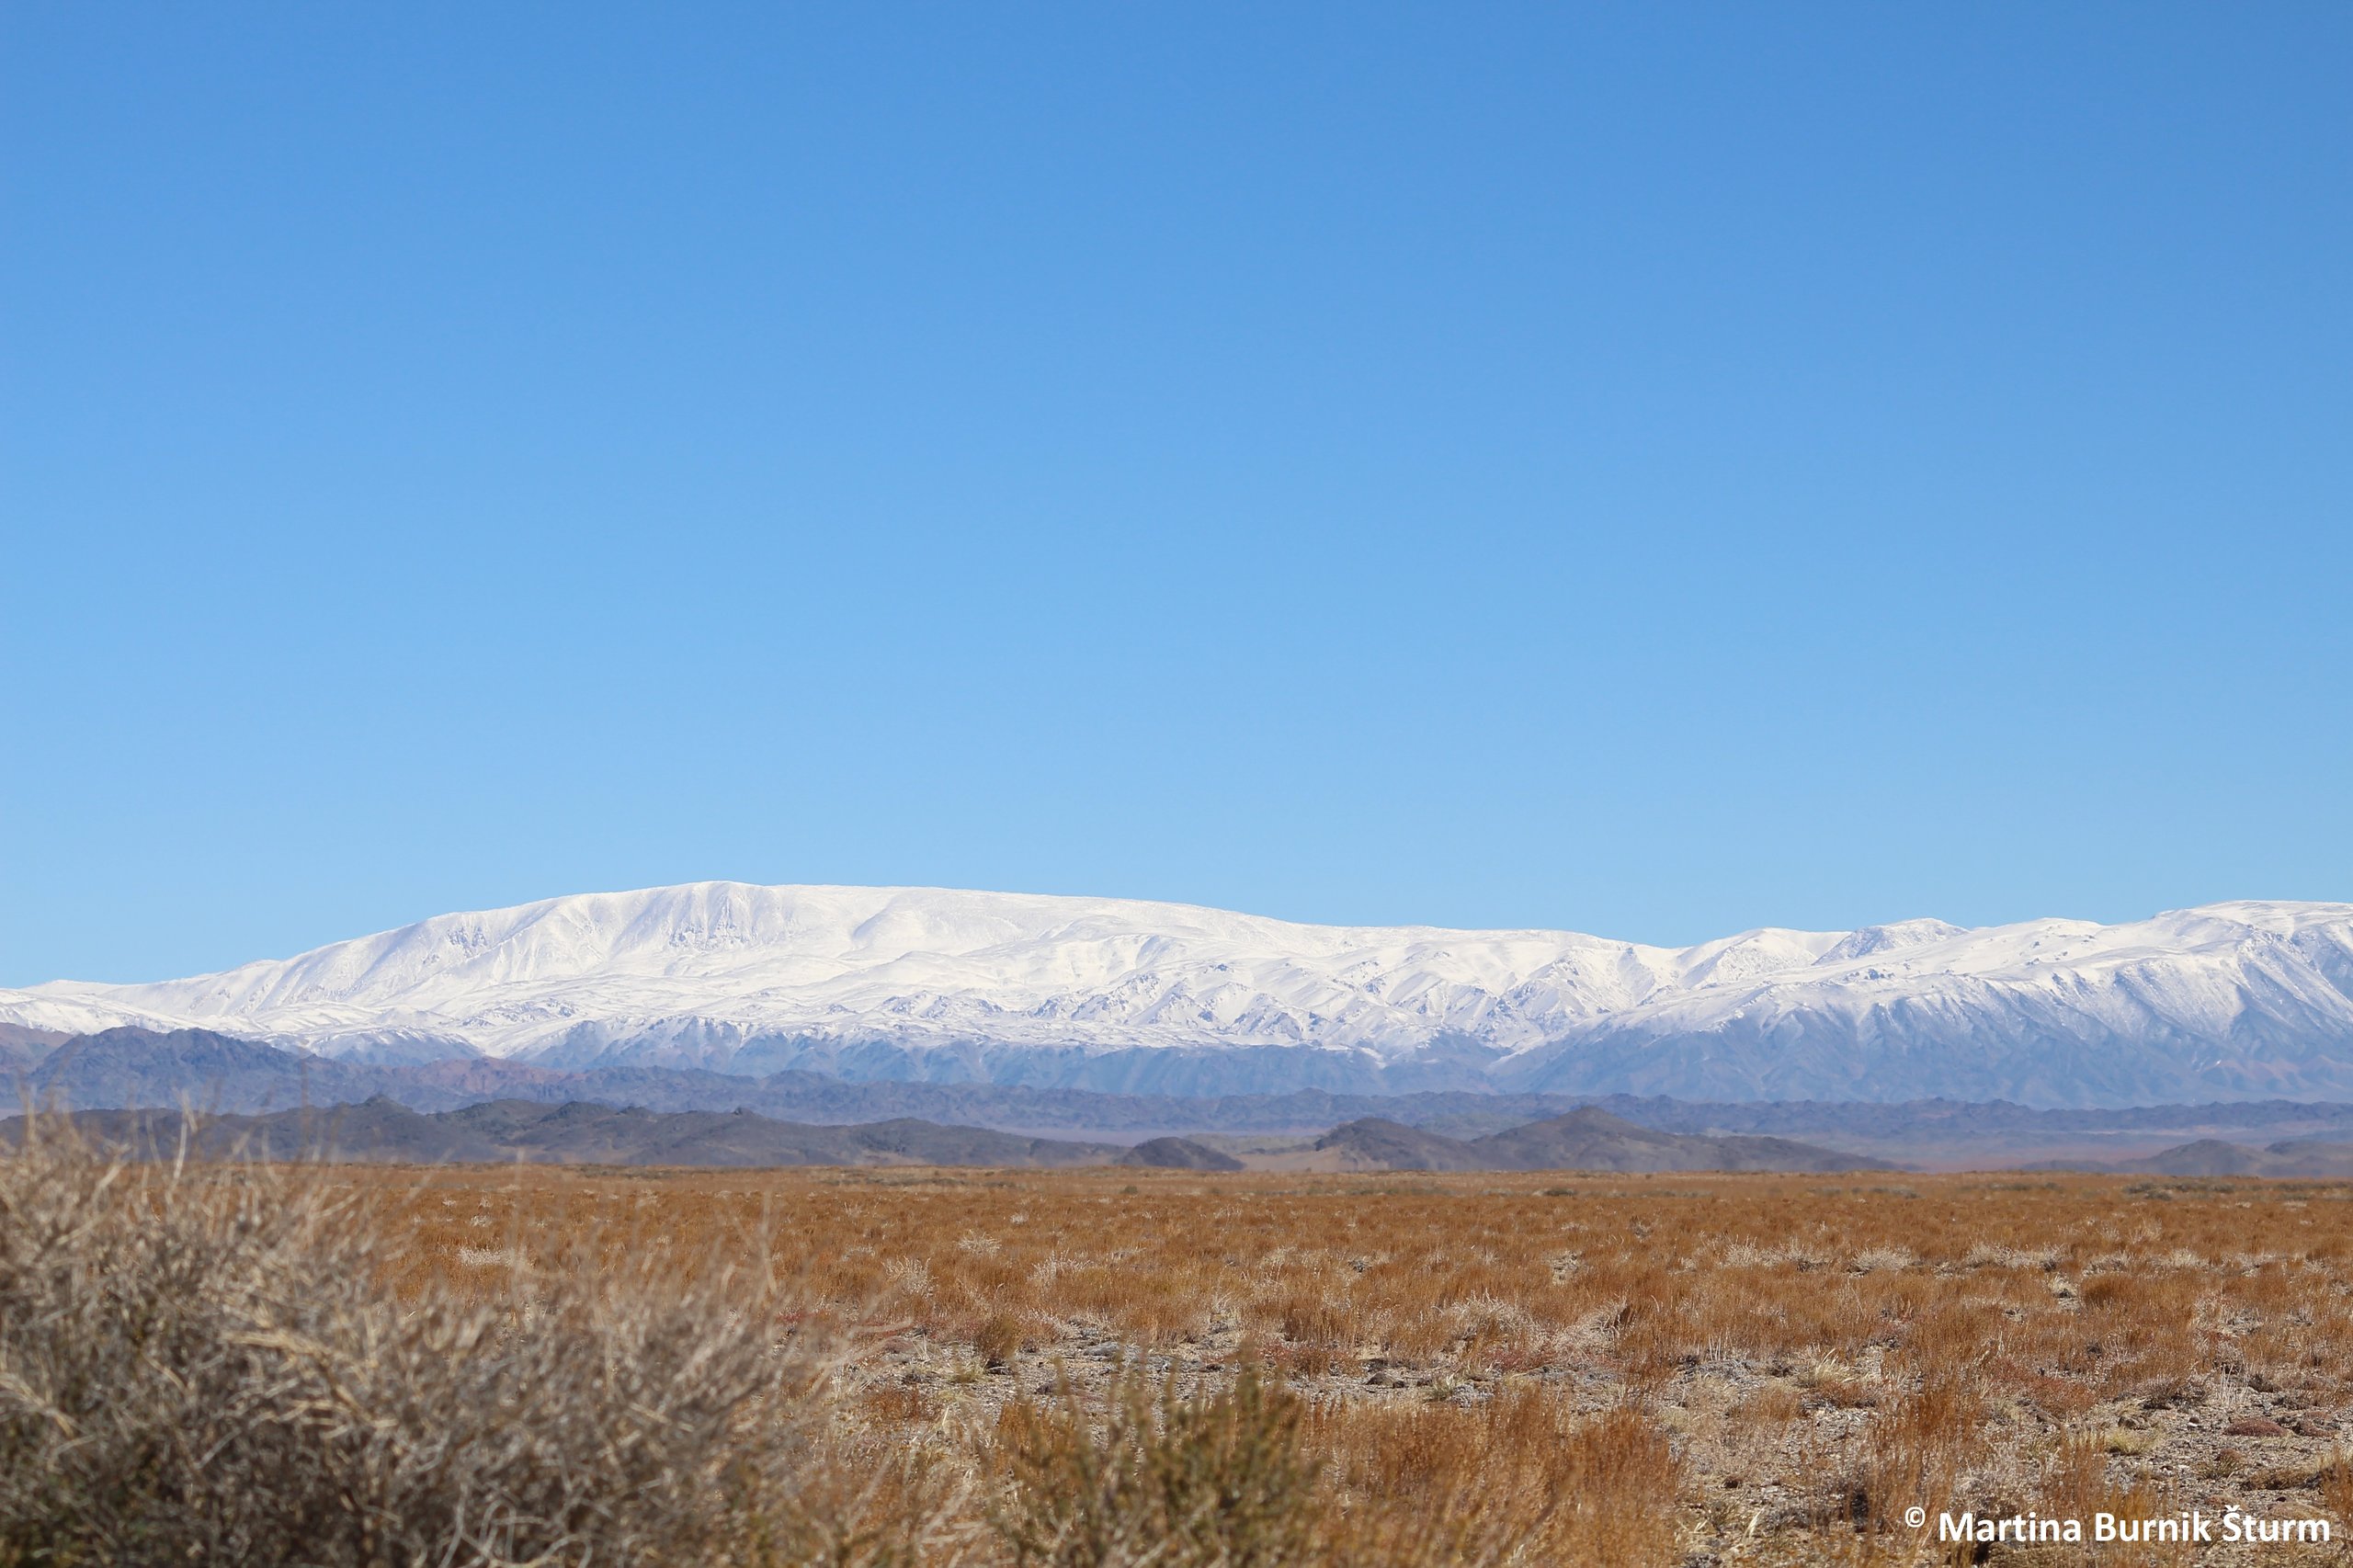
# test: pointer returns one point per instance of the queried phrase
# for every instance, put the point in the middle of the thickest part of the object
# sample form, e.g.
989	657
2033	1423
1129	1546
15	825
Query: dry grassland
1607	1369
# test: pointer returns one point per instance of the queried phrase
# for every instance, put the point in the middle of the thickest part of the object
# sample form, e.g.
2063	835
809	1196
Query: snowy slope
2225	1001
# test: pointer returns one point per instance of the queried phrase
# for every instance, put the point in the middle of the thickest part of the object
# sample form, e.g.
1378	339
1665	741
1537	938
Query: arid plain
1554	1368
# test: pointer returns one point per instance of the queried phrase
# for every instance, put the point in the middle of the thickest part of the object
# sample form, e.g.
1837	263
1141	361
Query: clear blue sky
1657	469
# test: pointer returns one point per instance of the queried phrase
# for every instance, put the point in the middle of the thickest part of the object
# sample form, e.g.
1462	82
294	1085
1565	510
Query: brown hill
1591	1140
1180	1155
1588	1140
2312	1158
1376	1143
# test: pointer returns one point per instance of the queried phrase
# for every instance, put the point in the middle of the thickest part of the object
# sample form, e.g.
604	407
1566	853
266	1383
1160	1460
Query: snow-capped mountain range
2223	1002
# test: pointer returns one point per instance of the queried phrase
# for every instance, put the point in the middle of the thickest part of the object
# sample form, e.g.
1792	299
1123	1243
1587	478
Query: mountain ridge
2250	999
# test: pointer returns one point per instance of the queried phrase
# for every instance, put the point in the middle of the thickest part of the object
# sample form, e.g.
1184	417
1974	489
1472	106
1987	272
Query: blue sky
1654	470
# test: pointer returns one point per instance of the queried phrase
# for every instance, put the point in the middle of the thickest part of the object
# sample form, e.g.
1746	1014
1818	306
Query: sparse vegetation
1106	1368
1220	1481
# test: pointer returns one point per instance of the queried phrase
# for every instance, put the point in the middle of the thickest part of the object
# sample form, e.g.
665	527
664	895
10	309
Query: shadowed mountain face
1588	1140
134	1069
22	1048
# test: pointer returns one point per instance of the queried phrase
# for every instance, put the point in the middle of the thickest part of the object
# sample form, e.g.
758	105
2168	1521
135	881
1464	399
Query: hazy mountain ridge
2291	1159
2243	1000
577	1132
1586	1139
223	1075
498	1131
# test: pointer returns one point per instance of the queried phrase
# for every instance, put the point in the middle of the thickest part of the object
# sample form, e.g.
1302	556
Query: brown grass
1604	1369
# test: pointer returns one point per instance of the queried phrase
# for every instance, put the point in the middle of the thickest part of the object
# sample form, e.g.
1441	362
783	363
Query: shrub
998	1339
201	1365
1216	1482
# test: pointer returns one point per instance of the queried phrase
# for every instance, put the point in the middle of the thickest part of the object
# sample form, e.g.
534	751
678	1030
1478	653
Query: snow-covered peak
709	971
1873	940
825	958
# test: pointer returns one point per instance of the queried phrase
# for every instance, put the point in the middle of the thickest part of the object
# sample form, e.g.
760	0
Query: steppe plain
1671	1370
